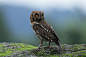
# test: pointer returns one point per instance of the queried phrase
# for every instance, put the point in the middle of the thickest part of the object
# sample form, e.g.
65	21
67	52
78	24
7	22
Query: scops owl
42	29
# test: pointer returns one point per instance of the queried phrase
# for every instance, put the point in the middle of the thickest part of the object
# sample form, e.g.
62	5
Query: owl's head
36	16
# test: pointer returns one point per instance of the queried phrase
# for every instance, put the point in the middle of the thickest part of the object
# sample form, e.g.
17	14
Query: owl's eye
42	15
36	15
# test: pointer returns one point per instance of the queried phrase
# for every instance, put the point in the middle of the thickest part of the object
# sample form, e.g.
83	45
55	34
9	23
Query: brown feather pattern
42	29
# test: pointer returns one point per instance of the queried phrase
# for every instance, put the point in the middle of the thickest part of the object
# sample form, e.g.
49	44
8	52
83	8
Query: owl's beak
40	18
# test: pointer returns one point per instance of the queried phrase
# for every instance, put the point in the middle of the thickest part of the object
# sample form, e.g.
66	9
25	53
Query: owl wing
45	33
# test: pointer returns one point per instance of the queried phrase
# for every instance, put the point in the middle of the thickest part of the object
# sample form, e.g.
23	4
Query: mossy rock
7	49
25	50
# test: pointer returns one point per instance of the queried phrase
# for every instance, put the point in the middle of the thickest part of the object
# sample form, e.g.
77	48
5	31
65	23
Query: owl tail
57	43
60	42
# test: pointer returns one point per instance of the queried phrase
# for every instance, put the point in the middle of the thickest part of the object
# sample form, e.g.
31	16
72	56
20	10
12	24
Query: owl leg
40	44
49	43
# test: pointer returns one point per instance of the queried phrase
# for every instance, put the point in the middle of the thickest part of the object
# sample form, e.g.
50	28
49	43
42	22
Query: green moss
53	56
75	54
76	50
17	48
39	53
1	45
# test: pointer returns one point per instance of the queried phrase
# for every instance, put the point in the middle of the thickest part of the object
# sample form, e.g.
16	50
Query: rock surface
24	50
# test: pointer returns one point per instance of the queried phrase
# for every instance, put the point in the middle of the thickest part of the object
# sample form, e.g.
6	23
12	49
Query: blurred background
67	17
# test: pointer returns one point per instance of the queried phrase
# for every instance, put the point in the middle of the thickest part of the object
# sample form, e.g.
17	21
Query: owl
42	29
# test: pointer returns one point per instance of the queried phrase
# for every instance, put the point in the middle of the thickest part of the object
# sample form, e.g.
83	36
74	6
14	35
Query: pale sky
44	4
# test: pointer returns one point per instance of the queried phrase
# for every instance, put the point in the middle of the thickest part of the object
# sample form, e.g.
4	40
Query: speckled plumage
42	29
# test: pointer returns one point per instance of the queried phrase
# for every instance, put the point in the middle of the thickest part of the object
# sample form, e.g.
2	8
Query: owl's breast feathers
45	31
